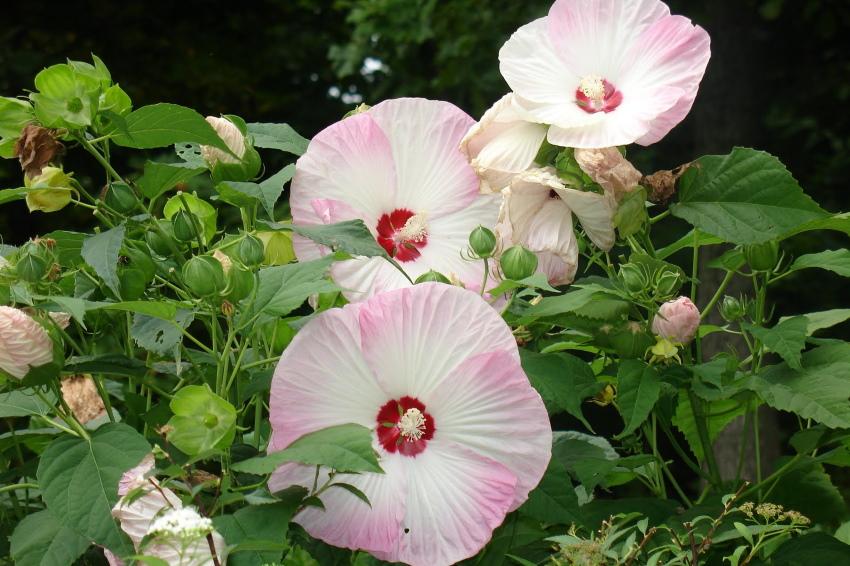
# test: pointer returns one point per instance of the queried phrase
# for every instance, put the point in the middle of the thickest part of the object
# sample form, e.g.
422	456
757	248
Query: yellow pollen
412	424
415	229
593	87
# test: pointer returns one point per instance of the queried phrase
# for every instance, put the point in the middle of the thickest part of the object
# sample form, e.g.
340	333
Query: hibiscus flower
605	73
398	168
462	436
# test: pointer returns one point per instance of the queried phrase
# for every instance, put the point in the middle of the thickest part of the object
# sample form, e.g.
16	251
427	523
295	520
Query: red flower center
595	94
402	233
404	426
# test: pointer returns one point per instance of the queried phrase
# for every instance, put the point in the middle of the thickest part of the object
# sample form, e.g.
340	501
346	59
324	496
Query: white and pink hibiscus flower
461	435
604	73
398	168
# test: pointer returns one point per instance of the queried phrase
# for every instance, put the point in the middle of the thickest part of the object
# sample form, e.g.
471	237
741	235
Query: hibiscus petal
455	499
137	515
433	175
350	161
406	339
474	404
348	521
596	214
316	386
362	277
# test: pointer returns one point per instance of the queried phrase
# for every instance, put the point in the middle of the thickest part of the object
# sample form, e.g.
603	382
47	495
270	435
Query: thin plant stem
717	294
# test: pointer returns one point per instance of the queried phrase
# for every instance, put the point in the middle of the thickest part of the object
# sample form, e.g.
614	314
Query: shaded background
779	80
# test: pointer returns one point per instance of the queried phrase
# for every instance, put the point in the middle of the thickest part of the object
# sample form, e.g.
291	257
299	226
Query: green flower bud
132	283
517	263
434	276
31	265
482	241
240	283
242	162
185	226
50	191
762	257
158	240
667	283
634	278
250	251
121	198
142	262
731	309
204	276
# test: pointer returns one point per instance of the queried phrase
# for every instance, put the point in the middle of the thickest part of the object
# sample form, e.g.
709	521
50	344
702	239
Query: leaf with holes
160	335
79	481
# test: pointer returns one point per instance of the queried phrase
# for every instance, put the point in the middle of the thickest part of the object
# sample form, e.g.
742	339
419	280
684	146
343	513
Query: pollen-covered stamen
402	233
595	94
593	87
412	424
414	230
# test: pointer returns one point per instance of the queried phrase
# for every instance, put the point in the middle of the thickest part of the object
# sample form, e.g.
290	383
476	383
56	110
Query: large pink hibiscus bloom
461	434
604	73
397	167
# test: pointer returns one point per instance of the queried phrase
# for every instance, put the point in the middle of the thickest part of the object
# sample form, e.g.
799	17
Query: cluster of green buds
651	281
225	276
35	261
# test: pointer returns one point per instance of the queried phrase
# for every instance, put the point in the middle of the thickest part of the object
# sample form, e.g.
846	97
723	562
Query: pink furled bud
677	321
24	343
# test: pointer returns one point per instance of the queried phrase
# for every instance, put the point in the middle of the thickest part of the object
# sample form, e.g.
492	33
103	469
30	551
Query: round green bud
762	257
517	263
240	283
185	226
121	198
482	241
158	239
731	309
667	283
204	276
31	266
634	278
133	283
433	276
250	251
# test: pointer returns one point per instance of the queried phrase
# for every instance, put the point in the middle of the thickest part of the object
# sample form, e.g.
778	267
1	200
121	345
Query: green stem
17	486
486	275
705	440
717	294
757	448
660	216
100	158
262	362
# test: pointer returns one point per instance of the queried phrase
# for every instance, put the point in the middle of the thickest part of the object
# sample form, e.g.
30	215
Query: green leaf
155	309
588	458
111	364
535	281
68	246
345	448
159	335
161	125
811	549
41	540
268	522
838	222
516	532
202	423
787	338
566	303
809	490
11	195
637	392
101	252
819	392
283	288
837	261
688	241
161	177
563	381
823	319
278	136
746	197
79	481
554	500
22	403
720	414
349	236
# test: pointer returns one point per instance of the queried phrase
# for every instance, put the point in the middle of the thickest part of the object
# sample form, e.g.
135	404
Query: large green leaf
101	252
563	381
11	195
160	177
278	136
720	414
821	391
22	403
837	261
638	388
345	448
809	490
787	338
79	481
588	458
554	500
349	236
689	240
823	319
811	549
838	222
160	125
283	288
41	540
257	523
746	197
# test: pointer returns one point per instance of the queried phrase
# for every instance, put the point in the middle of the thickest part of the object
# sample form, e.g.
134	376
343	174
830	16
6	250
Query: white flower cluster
181	523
